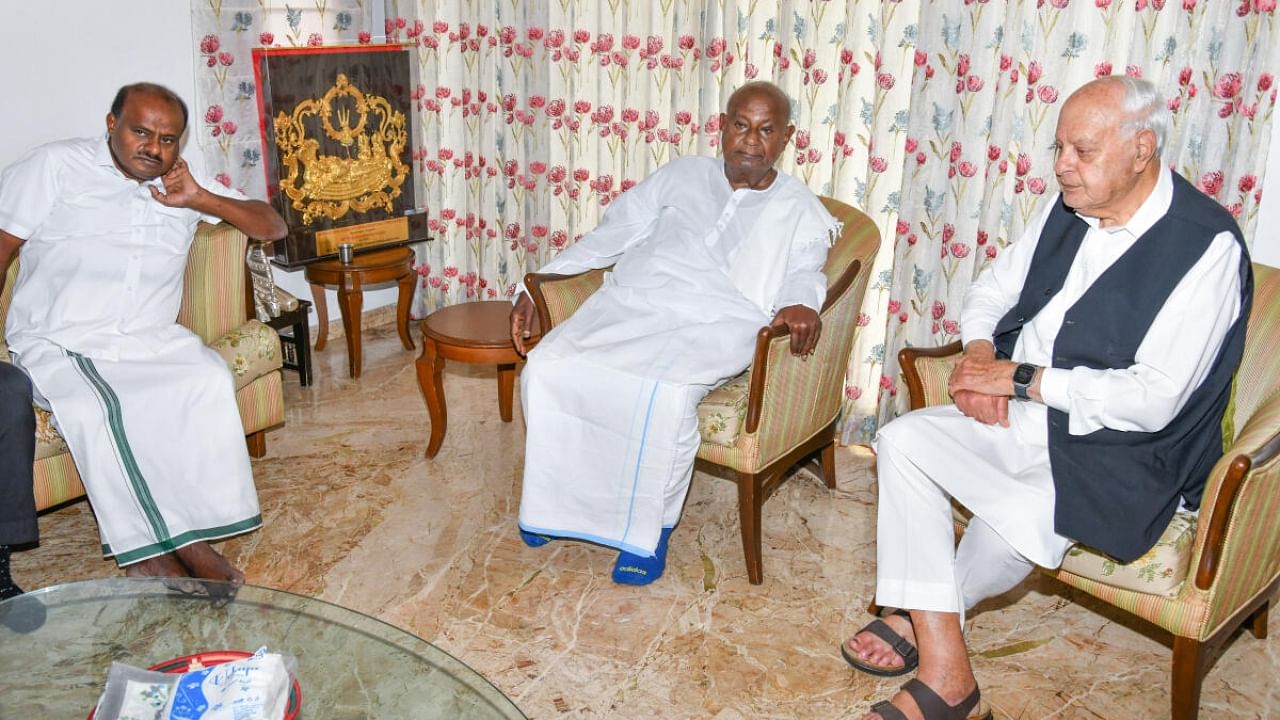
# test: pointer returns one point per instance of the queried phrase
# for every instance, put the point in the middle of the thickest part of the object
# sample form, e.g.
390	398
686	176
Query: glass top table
57	644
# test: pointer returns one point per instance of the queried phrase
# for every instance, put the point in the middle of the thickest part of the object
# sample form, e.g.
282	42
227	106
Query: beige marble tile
355	514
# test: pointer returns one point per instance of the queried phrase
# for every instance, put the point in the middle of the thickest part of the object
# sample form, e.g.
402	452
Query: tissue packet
255	688
135	694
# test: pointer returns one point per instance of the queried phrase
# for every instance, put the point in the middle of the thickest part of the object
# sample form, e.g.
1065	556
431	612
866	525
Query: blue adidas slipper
636	570
533	539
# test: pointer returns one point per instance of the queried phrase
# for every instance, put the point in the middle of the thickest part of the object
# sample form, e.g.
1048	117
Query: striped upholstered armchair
781	411
214	307
1208	574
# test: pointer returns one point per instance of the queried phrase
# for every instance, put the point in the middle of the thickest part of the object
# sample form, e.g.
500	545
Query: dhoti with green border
157	439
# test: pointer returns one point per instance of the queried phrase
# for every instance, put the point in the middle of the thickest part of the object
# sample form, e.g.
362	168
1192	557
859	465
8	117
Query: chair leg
1258	621
1189	661
257	443
750	500
829	464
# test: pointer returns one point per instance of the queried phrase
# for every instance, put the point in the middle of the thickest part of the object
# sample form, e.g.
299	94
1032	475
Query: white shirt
1174	357
103	262
691	195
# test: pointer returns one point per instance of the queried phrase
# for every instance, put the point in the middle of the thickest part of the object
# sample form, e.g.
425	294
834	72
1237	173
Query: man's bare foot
206	563
166	565
873	650
203	561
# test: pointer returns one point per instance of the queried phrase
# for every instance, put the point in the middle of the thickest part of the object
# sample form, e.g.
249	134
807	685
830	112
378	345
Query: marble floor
355	514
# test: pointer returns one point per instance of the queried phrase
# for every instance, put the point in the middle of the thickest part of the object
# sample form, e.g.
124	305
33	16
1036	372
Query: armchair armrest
802	396
556	297
250	351
926	371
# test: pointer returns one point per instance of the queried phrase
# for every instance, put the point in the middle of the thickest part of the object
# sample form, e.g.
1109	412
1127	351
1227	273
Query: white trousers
928	457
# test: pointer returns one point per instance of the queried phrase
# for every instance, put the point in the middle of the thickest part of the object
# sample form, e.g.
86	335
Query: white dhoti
156	437
611	407
1001	475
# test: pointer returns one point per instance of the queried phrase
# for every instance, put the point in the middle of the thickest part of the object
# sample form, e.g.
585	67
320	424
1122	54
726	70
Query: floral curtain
989	80
224	118
934	117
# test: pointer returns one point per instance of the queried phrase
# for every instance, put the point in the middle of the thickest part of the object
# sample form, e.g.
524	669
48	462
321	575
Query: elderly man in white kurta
148	412
704	252
1099	352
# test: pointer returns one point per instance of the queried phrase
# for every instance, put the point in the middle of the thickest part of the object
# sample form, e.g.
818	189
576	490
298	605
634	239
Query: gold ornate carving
371	173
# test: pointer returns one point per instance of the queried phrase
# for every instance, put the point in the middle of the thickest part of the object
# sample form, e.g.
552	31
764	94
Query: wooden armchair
215	306
1206	576
780	411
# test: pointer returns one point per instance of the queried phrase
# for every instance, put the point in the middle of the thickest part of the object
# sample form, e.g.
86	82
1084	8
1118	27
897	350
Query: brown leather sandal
933	707
899	644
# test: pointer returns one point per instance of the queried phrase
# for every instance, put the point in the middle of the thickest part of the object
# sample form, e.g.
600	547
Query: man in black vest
1099	351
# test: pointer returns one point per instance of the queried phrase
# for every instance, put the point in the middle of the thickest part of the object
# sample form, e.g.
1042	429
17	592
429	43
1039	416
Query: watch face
1024	374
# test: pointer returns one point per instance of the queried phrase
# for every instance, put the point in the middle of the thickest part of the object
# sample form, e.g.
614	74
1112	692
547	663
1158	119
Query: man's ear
111	122
1146	148
791	129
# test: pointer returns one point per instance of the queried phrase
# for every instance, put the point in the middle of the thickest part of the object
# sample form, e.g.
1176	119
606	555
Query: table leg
322	316
506	385
430	366
302	345
350	302
405	299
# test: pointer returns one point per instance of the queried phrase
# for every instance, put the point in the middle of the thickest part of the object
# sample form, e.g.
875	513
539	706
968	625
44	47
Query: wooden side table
474	332
366	269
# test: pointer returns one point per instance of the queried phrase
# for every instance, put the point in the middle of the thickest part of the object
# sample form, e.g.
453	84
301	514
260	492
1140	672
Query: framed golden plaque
337	134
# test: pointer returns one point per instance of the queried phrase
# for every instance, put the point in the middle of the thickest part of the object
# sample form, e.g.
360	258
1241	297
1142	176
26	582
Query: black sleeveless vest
1116	491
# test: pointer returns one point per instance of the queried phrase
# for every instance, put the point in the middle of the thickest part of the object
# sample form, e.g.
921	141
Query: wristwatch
1023	375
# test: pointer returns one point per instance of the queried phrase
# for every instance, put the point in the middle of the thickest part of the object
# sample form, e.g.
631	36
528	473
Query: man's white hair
1144	109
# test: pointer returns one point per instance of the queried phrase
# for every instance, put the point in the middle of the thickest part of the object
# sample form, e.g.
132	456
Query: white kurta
1002	474
609	396
147	410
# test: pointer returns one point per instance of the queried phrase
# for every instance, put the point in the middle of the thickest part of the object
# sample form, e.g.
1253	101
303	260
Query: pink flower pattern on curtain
935	117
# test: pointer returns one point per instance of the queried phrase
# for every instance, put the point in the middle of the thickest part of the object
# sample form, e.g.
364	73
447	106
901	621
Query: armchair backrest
1259	375
858	241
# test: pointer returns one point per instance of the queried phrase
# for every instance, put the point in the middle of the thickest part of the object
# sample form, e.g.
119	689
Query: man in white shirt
705	251
148	412
1098	356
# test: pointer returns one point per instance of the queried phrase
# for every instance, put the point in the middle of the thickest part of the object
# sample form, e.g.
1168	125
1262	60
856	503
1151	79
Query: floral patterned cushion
49	441
722	413
251	351
1159	572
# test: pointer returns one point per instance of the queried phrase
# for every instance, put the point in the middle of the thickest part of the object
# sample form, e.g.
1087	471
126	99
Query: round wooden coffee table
474	332
371	268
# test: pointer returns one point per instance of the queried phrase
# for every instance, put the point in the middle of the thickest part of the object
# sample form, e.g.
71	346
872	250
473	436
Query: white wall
1266	236
60	89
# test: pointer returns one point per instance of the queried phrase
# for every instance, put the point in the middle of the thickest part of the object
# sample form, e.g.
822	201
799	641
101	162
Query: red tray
179	665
